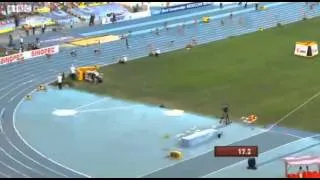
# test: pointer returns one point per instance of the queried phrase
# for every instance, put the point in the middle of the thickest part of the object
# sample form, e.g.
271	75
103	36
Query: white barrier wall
138	15
164	4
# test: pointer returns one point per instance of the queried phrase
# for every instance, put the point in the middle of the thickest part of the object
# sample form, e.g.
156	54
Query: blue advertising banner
183	7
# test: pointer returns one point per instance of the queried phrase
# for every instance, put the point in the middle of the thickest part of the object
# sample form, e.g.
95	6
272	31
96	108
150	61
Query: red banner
29	54
11	58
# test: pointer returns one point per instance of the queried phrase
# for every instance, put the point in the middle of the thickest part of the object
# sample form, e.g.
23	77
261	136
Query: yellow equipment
81	71
97	4
6	30
206	19
176	155
262	8
41	87
97	66
42	10
28	97
82	5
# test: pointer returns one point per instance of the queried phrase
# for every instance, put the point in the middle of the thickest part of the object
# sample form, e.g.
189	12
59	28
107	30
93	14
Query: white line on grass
232	165
277	122
295	109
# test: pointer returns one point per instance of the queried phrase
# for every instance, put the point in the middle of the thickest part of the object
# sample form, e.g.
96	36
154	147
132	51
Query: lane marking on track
1	117
14	170
4	175
28	157
17	87
19	162
15	83
24	90
32	148
295	109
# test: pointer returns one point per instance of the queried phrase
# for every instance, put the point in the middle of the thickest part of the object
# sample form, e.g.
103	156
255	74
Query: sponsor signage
29	54
10	59
301	49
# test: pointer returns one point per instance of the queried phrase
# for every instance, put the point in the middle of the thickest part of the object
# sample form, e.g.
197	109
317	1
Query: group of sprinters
156	52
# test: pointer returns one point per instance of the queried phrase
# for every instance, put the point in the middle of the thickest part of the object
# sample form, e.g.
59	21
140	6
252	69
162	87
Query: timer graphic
236	151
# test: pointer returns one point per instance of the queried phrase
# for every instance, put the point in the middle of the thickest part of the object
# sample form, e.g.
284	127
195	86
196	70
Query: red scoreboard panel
236	151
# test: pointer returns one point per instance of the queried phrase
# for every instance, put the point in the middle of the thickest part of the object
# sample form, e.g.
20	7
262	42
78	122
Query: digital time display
236	151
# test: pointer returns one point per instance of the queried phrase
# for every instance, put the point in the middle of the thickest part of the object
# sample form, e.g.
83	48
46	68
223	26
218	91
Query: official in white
157	53
73	72
123	59
60	80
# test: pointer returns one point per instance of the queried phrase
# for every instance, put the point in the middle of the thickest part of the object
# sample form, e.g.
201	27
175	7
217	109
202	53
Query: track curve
17	157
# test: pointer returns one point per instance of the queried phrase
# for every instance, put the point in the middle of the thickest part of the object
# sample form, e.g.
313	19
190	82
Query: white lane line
17	149
32	148
92	103
173	164
28	157
22	91
19	93
288	134
232	165
17	87
295	109
7	154
15	82
12	169
1	115
4	175
15	77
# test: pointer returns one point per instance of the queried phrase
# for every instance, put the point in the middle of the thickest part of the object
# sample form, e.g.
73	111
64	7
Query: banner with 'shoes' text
29	54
